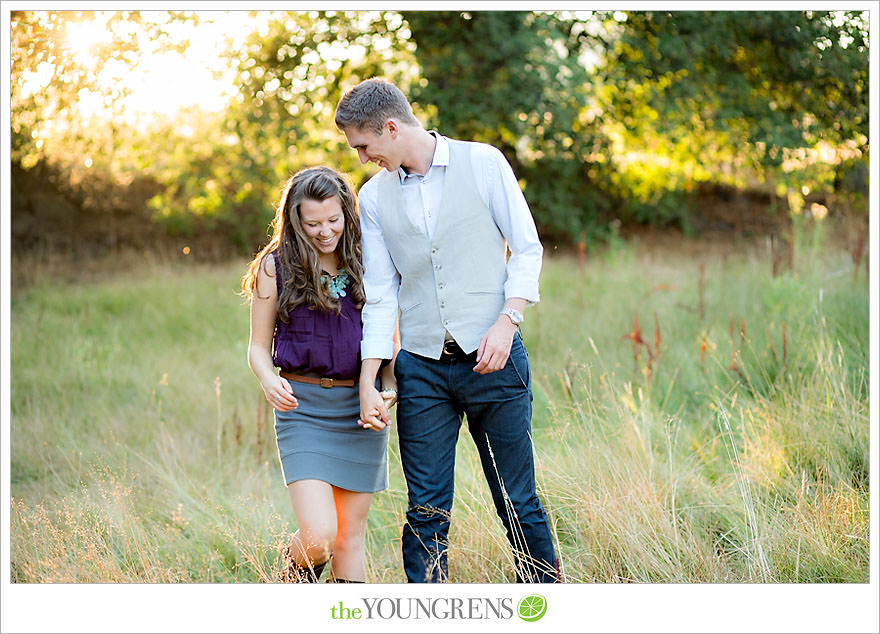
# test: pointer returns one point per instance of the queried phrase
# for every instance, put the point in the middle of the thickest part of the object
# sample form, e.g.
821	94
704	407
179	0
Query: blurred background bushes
710	120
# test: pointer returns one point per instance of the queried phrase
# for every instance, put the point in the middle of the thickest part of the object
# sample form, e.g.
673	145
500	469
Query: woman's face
323	222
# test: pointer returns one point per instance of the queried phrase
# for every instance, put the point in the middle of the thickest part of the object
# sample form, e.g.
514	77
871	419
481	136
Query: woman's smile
323	222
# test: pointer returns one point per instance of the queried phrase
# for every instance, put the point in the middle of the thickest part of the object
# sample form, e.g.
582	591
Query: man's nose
362	155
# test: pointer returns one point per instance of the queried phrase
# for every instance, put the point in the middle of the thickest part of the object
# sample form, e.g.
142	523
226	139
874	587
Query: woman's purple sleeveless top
317	341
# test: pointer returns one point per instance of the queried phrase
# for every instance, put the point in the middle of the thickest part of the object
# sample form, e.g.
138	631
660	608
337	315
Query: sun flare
82	36
160	82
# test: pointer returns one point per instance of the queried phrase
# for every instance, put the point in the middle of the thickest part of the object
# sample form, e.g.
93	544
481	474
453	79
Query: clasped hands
375	406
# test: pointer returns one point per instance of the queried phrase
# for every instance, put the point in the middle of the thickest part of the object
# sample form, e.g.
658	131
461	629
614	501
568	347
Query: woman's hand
276	389
279	394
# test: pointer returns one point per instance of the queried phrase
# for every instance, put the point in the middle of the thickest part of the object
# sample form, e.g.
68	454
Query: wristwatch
515	316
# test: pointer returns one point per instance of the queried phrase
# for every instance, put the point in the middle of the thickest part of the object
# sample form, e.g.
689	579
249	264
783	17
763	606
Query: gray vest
454	282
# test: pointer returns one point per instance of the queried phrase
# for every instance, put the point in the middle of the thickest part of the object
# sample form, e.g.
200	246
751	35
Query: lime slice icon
532	607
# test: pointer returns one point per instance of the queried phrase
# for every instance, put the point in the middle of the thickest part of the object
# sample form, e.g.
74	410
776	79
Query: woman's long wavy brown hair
300	265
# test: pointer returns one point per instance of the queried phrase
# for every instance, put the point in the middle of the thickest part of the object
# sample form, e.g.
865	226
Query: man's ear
393	128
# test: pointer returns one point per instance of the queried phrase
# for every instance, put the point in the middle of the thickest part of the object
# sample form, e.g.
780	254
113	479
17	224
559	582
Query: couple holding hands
421	252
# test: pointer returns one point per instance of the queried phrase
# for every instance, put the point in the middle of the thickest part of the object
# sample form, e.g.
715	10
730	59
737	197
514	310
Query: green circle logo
532	607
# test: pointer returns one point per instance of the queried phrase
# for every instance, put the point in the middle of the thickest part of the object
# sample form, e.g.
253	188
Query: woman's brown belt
323	381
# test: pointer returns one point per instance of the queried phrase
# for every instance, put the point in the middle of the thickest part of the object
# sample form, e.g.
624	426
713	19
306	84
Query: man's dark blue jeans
434	396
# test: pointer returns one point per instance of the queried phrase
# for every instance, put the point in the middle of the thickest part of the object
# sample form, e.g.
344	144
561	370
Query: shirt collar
440	158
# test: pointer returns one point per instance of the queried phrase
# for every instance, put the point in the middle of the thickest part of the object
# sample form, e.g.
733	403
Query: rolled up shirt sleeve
381	283
511	212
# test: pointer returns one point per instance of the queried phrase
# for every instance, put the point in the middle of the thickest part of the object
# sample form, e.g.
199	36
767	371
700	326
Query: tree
50	77
290	77
765	82
64	163
603	115
516	80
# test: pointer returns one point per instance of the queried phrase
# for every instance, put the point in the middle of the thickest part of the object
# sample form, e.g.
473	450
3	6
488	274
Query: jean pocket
518	361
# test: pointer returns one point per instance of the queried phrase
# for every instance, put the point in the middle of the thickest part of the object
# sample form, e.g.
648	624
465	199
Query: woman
306	295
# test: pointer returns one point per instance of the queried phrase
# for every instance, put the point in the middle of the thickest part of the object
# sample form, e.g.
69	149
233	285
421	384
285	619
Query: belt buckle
326	381
449	348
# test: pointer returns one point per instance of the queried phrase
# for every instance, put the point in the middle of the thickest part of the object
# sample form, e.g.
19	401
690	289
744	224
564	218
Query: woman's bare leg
349	562
315	509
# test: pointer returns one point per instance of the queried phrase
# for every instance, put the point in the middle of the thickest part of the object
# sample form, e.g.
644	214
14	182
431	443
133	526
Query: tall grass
698	447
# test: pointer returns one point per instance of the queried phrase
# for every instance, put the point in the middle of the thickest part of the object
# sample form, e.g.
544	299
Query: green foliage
50	77
509	78
290	76
769	81
603	115
497	76
94	164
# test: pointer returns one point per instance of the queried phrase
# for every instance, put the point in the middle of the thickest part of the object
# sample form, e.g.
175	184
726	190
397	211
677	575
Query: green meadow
696	419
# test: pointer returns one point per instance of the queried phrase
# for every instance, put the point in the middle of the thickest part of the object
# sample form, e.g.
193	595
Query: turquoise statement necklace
335	283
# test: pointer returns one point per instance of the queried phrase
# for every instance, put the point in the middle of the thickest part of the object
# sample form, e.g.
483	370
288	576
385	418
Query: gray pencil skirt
321	440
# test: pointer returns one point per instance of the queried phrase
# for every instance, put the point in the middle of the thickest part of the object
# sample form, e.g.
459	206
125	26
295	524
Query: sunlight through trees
605	116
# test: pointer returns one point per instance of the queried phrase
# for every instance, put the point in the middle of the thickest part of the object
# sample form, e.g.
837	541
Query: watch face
515	316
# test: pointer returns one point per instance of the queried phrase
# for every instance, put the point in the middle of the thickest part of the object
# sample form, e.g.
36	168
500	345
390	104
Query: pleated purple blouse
317	341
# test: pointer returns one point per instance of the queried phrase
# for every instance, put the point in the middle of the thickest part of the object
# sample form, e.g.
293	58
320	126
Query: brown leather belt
323	381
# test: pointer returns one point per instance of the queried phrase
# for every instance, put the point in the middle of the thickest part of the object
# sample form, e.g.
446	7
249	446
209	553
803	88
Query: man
435	229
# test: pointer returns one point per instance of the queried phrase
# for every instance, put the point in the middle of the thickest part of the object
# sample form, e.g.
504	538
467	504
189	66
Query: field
697	419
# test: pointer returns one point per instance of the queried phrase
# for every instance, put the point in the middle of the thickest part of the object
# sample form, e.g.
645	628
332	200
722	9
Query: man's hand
495	346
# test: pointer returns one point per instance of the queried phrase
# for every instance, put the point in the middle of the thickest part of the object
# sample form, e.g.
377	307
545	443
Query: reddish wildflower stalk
635	336
857	249
582	250
237	426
